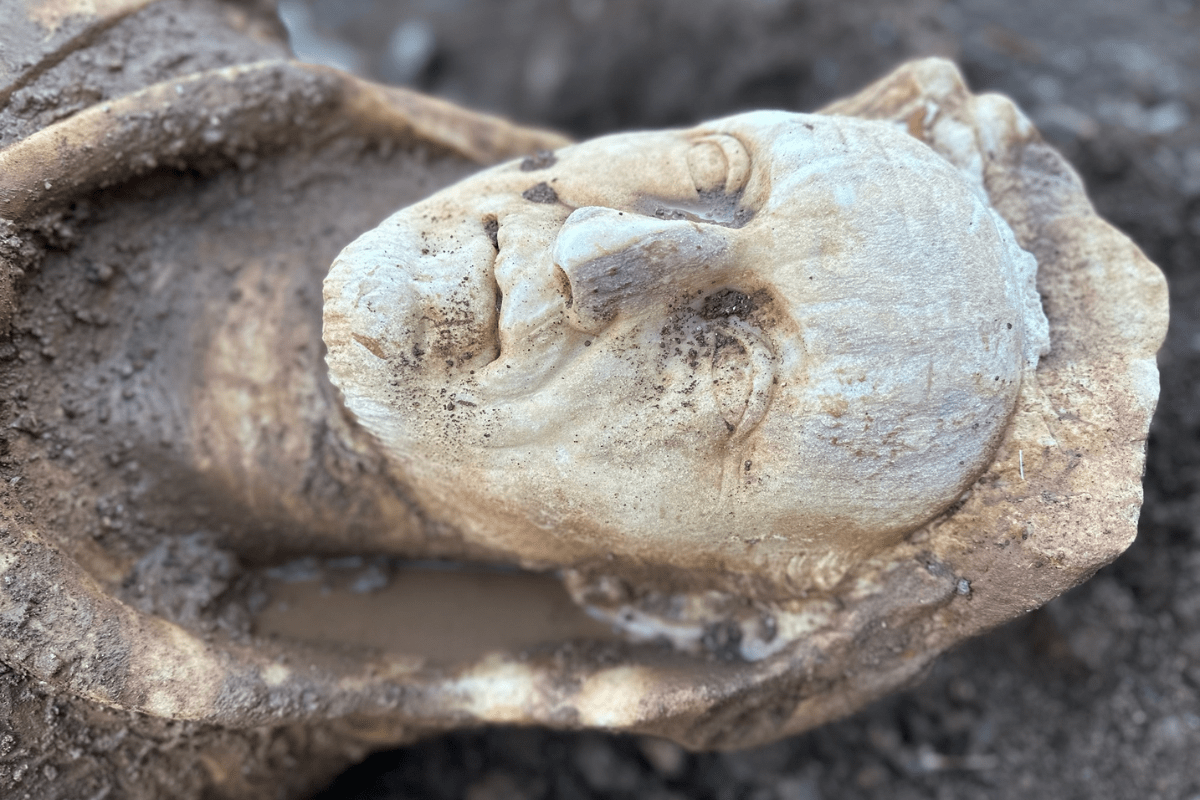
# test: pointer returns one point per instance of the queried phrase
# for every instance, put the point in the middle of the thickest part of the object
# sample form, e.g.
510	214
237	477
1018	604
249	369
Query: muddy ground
1096	695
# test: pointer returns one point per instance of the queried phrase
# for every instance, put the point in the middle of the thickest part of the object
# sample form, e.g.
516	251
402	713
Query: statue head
772	342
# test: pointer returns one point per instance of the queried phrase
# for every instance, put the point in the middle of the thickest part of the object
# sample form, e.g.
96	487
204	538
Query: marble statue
745	423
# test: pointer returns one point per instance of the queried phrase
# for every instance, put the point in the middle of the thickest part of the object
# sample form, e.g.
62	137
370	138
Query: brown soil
164	41
96	352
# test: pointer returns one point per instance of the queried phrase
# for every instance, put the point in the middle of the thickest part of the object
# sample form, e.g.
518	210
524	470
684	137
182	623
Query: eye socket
718	163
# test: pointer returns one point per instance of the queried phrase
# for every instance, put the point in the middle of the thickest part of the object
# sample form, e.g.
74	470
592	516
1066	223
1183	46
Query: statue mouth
533	342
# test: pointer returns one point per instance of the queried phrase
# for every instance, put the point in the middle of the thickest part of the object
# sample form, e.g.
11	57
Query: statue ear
743	375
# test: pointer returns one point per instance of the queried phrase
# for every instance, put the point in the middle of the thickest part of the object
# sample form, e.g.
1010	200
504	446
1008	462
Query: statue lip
544	342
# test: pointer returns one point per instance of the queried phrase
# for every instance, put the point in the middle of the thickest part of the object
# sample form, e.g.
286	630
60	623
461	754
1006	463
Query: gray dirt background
1093	696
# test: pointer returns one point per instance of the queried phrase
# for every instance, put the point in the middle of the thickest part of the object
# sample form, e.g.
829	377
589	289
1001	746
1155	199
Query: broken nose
619	263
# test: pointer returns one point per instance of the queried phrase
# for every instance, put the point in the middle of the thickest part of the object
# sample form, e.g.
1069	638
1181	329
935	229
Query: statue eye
708	166
718	163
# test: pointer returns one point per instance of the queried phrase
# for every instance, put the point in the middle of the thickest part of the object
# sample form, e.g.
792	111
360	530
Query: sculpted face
773	342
